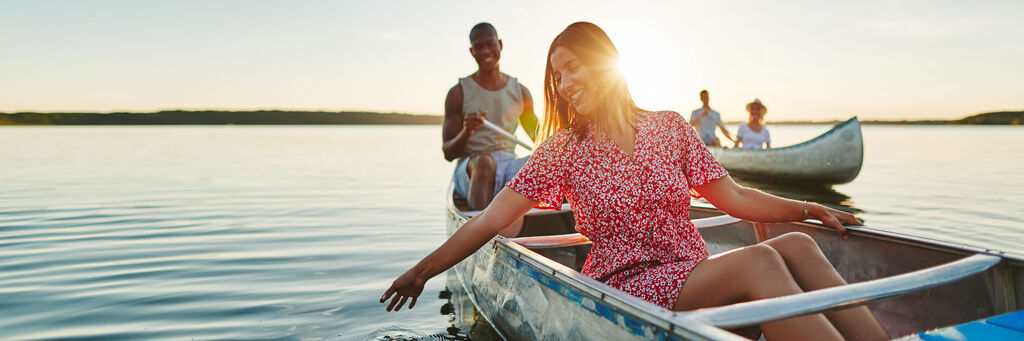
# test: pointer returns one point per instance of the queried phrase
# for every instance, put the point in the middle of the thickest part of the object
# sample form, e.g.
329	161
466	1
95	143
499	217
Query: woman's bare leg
750	273
812	271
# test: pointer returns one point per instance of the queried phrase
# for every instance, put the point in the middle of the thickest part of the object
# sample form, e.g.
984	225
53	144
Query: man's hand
472	121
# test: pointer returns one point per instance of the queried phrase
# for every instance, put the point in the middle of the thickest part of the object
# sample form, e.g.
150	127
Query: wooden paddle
505	134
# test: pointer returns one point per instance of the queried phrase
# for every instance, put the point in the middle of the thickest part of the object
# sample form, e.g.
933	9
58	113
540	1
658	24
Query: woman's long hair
597	53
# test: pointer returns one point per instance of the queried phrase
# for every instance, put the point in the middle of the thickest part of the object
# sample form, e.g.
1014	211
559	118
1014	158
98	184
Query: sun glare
653	69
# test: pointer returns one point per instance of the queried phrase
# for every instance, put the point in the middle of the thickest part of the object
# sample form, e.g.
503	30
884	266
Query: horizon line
790	121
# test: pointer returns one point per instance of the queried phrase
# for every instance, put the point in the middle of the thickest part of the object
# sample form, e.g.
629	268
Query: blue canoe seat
1003	327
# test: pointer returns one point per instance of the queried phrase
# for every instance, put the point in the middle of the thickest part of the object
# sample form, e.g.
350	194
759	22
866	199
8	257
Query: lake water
293	232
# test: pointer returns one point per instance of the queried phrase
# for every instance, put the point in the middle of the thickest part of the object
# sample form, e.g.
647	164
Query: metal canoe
529	287
834	157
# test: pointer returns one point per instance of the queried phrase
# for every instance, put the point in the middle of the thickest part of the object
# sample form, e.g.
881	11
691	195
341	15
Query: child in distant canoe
754	133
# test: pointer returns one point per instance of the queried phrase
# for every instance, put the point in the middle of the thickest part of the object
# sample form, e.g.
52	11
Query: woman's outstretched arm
507	207
750	204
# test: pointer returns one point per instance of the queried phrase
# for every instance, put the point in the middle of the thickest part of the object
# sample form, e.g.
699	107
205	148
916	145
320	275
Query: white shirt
706	129
753	139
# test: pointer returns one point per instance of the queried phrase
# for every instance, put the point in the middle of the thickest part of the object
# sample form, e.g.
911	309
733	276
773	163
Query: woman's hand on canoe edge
832	217
406	287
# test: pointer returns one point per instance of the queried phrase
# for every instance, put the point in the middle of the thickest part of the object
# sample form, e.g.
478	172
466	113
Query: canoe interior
549	225
868	254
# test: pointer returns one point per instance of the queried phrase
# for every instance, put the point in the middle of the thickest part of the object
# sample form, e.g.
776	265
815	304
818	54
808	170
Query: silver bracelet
805	211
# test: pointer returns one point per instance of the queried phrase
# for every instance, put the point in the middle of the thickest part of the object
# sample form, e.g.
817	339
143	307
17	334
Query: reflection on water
294	232
463	315
822	194
465	322
215	232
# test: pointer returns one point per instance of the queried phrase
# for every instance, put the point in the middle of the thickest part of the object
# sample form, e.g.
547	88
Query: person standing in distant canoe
705	119
486	160
754	133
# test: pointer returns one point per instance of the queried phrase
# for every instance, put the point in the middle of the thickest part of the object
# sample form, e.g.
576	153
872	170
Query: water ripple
292	233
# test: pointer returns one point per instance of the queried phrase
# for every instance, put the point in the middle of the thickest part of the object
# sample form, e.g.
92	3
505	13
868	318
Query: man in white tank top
486	160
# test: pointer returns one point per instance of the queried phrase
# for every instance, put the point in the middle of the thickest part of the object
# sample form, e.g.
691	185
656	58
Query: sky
806	60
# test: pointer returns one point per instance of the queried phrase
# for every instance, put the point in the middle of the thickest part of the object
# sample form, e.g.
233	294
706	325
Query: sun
652	67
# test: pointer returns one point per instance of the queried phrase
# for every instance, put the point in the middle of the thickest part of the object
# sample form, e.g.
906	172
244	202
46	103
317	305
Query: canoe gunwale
846	296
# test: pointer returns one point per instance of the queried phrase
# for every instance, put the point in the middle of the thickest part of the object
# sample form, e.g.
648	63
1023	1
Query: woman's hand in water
405	287
831	217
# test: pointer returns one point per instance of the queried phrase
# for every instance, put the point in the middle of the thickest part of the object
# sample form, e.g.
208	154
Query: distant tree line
353	117
991	118
1002	117
214	117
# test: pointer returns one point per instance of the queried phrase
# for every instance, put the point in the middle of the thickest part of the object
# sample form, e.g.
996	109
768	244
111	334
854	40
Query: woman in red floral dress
629	175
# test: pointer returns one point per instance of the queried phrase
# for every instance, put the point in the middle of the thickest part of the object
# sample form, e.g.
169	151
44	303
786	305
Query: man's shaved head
482	28
485	46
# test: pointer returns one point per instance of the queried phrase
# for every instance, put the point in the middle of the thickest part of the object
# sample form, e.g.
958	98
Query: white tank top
503	108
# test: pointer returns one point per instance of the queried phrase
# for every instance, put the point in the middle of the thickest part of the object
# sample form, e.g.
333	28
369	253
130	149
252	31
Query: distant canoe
834	157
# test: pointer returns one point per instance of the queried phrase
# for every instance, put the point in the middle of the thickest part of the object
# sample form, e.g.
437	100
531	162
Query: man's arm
454	132
725	131
528	119
695	118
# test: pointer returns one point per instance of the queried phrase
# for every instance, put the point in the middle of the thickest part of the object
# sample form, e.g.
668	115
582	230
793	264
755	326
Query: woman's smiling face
575	82
757	112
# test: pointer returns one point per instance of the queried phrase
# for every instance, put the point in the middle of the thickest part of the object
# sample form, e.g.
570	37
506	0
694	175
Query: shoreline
863	122
289	117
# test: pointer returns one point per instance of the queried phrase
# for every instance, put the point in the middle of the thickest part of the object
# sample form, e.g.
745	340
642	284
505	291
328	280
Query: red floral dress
635	208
